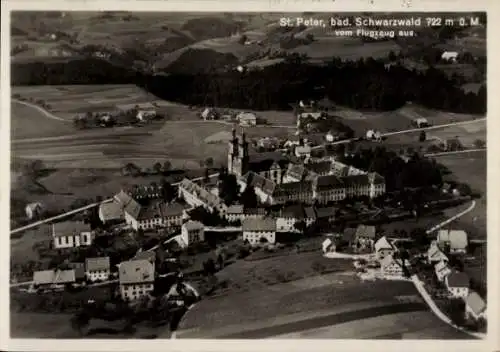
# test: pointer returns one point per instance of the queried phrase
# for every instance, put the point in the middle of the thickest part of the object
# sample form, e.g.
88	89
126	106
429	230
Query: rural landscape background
69	64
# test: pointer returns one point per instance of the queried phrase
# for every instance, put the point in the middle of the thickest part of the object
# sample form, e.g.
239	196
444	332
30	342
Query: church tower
232	154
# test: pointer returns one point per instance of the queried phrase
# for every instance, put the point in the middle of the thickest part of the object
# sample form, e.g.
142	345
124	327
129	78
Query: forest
366	84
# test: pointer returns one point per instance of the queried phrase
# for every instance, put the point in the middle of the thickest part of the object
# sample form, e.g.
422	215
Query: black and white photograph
248	175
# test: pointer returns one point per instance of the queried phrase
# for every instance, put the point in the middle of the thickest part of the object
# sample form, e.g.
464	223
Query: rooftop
95	264
365	231
475	303
66	228
111	211
136	271
264	224
193	225
458	279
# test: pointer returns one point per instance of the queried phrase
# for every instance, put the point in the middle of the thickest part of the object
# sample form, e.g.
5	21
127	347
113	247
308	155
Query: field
68	101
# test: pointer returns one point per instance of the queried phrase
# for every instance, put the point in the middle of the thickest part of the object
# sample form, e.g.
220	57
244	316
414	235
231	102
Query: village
268	200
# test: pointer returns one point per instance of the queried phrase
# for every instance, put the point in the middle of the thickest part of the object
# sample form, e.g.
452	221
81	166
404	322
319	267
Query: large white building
259	230
192	232
196	195
71	234
136	279
157	214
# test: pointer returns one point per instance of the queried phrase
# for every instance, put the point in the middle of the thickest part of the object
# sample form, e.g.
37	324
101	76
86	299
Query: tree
209	162
392	56
242	39
209	267
300	225
249	198
229	189
157	167
479	143
310	37
167	165
422	136
131	169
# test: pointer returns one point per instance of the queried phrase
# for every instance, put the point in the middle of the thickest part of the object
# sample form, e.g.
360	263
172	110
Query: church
271	165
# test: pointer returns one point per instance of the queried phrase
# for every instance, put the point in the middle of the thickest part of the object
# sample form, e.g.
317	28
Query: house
247	119
365	236
196	195
373	135
383	248
209	114
193	232
326	213
173	214
71	234
368	185
136	279
435	254
328	246
442	270
454	240
421	122
235	212
259	230
457	284
53	279
320	168
111	212
295	173
287	217
303	151
451	56
391	267
475	306
97	269
33	210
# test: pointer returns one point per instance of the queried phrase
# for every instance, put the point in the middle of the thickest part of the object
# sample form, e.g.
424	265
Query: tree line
366	84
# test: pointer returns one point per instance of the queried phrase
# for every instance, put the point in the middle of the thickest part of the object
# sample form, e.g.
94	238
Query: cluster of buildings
243	118
93	270
277	180
456	283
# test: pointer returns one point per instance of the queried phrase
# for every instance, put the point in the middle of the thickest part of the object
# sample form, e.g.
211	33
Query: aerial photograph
232	175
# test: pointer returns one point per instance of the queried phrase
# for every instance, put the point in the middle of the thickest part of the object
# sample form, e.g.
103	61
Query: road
456	152
44	112
453	218
387	134
76	211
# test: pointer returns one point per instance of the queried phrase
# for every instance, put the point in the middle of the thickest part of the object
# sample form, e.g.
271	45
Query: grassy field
68	101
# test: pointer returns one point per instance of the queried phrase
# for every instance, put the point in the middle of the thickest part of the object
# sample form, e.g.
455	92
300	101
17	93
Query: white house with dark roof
247	119
235	212
192	232
287	217
97	269
365	235
435	254
259	228
383	248
442	270
173	214
71	234
294	173
475	306
457	284
136	279
455	240
391	267
328	188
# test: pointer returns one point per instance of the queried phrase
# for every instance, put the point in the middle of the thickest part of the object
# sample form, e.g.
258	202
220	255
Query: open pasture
67	101
27	122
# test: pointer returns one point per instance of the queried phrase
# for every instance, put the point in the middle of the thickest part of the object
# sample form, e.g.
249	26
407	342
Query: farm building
247	119
209	114
259	229
449	56
421	122
70	234
33	210
136	279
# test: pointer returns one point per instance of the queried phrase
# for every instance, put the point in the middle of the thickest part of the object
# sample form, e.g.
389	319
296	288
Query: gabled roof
457	279
442	267
382	243
475	303
375	178
328	182
43	277
136	271
256	181
309	212
435	254
123	198
133	209
145	255
295	211
266	224
172	209
355	180
100	263
67	228
259	162
193	225
292	187
365	231
457	238
110	211
389	260
296	171
235	209
325	212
